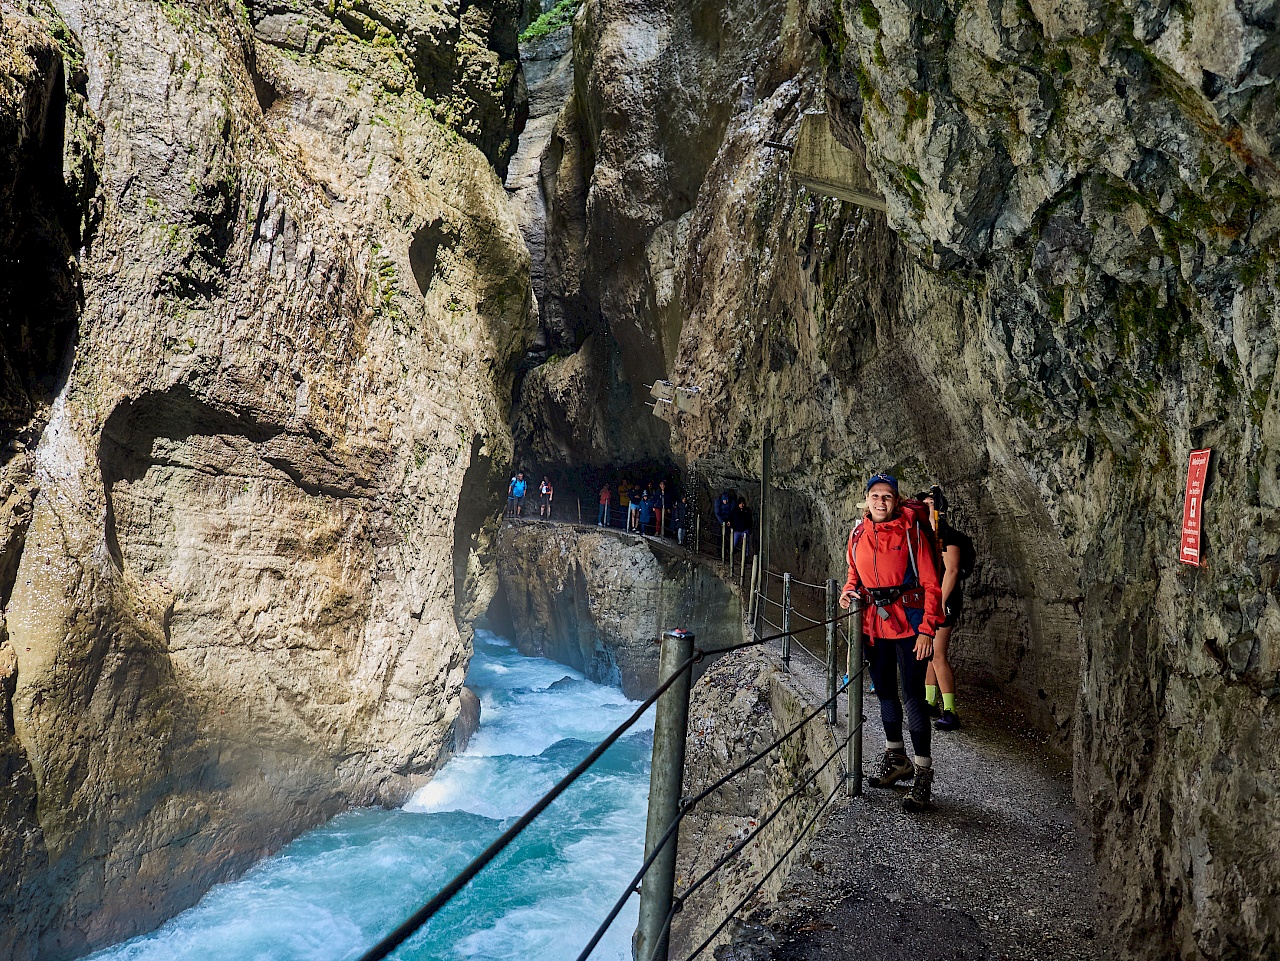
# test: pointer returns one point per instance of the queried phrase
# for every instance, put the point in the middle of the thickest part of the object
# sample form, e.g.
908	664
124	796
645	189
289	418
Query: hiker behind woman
958	556
605	497
740	524
892	564
545	493
633	512
680	517
660	506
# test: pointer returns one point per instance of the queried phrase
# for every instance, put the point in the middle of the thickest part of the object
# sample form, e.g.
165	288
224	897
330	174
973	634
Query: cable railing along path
668	808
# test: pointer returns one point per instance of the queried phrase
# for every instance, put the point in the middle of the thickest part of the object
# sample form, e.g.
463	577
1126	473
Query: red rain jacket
880	555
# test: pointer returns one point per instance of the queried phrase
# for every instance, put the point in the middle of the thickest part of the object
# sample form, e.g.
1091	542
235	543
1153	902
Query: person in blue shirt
515	494
646	512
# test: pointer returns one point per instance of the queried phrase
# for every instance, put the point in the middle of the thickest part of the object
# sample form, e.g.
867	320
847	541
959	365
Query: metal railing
655	881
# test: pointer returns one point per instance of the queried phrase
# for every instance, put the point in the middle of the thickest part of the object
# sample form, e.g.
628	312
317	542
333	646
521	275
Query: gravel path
999	869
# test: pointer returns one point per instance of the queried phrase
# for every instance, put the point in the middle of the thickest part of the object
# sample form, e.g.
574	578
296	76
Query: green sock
931	693
949	703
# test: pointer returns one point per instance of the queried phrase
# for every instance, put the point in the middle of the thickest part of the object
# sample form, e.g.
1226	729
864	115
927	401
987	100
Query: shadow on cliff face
45	217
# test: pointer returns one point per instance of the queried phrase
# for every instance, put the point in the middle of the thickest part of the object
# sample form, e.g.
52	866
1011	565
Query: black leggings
884	659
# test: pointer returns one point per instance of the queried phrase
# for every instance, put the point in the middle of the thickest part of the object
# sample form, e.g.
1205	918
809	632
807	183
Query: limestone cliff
1074	286
599	600
275	365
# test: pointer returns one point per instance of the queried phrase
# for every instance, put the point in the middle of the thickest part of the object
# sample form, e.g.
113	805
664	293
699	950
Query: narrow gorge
289	289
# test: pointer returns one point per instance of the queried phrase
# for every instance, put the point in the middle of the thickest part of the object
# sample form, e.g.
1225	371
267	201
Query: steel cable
688	805
787	853
816	587
420	917
822	661
738	848
766	597
805	617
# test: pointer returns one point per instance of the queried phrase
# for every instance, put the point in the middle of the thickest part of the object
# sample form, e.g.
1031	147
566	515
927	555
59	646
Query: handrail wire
820	660
804	617
768	599
420	917
773	637
817	587
738	848
687	806
777	864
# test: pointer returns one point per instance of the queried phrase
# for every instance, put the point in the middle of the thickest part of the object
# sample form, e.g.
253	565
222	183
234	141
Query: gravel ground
999	869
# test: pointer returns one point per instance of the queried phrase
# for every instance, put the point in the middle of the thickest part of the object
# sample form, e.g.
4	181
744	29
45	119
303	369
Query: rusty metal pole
786	621
666	783
754	584
832	593
854	693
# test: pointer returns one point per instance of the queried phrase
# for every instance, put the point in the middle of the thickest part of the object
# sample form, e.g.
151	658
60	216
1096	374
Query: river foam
331	893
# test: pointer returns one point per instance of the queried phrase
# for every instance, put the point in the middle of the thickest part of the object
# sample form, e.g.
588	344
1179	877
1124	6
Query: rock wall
297	297
599	601
1074	286
736	710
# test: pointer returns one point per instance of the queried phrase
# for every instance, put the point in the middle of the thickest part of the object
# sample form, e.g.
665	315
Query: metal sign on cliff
1193	508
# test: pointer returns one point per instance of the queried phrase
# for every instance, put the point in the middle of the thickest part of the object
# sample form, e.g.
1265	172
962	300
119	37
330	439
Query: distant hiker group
908	564
646	508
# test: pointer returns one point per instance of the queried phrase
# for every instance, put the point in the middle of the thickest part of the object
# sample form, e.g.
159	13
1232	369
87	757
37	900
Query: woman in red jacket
892	565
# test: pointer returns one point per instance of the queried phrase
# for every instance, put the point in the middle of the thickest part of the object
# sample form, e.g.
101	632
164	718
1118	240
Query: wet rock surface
1073	287
232	529
598	600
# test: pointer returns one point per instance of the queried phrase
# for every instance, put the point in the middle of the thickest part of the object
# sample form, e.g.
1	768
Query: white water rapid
331	893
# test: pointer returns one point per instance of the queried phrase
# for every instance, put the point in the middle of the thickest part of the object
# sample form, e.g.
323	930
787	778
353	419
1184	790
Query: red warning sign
1193	508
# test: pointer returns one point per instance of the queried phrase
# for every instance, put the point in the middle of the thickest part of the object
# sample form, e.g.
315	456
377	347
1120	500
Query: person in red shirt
893	565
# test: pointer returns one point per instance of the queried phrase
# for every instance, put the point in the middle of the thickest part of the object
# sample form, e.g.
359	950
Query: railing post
833	589
786	621
755	591
697	534
854	666
666	784
724	530
762	587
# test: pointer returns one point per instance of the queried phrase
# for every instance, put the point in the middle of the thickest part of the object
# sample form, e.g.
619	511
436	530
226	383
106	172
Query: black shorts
953	608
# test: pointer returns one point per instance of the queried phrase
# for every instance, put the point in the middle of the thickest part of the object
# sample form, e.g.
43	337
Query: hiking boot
935	709
947	721
918	798
893	767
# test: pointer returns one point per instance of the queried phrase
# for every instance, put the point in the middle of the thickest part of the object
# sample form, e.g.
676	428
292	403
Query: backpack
968	556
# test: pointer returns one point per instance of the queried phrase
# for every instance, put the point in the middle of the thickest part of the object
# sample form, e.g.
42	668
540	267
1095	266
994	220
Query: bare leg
939	668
